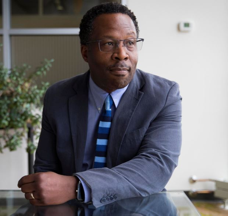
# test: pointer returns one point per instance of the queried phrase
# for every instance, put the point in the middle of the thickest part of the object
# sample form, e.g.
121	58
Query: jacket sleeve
150	170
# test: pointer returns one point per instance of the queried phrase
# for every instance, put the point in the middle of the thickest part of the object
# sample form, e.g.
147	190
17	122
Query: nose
120	53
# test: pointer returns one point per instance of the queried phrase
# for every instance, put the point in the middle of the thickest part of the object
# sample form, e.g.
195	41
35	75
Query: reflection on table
165	203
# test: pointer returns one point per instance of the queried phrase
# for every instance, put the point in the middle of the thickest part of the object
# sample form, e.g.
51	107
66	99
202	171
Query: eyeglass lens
110	45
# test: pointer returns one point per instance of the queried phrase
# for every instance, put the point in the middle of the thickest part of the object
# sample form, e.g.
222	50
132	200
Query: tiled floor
210	208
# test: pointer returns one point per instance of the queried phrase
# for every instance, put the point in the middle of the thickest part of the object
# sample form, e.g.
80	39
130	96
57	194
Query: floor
210	208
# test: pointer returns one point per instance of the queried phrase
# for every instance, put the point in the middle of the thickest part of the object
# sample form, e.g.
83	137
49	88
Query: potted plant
20	101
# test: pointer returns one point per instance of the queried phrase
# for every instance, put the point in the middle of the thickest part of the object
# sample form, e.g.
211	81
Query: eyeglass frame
117	42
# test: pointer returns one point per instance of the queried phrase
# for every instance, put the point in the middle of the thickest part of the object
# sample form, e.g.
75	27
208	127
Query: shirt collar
99	95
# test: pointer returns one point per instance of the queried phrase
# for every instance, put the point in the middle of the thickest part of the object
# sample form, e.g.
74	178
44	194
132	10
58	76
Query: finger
30	187
32	196
29	196
36	202
26	179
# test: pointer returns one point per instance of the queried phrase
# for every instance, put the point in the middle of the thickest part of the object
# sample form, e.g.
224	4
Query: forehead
113	25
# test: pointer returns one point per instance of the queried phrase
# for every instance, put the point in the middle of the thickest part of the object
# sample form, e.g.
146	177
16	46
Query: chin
120	83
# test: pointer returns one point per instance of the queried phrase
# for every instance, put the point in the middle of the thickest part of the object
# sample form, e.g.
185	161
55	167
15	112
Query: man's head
111	60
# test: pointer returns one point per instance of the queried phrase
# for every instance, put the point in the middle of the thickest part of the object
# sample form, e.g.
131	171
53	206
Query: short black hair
86	25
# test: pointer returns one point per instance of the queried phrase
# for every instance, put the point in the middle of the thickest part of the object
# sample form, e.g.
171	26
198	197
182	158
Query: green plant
20	100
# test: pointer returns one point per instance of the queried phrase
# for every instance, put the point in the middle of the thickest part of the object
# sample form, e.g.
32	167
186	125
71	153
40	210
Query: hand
48	188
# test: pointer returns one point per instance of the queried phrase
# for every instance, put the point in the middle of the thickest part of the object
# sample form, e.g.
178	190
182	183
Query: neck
103	87
109	88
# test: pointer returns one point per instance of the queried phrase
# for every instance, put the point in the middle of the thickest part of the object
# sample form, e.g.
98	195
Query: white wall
198	62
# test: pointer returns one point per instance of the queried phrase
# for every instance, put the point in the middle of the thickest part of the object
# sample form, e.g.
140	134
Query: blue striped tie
103	132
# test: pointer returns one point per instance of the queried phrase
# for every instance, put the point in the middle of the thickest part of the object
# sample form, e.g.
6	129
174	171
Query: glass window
24	7
65	50
50	13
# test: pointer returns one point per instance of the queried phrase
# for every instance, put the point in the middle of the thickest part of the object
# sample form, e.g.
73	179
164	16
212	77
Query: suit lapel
123	115
78	114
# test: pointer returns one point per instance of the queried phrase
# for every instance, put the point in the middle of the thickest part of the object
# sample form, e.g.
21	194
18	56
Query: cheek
98	59
134	59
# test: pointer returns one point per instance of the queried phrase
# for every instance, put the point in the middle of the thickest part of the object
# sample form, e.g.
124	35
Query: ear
84	52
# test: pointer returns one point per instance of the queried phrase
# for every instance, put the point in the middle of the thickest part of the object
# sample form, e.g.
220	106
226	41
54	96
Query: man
145	136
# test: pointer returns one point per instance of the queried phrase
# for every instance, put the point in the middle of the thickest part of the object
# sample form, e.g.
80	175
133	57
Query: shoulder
153	82
69	86
157	90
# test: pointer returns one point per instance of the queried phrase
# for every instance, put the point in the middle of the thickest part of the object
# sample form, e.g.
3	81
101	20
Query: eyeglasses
109	45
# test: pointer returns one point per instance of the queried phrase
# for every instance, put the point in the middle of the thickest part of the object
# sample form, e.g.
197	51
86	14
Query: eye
107	43
130	42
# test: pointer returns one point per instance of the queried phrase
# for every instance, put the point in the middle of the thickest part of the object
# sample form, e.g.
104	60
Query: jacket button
103	200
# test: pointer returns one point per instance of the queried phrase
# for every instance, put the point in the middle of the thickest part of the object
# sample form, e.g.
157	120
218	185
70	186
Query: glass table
165	203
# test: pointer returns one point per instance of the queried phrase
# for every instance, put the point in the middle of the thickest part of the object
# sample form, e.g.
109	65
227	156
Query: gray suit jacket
144	143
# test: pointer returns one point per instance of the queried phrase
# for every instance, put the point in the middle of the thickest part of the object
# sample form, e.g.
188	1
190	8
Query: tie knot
108	102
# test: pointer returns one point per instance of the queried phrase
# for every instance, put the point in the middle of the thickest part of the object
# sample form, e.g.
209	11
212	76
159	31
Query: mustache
119	65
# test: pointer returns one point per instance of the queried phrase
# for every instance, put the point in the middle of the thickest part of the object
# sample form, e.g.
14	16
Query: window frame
7	31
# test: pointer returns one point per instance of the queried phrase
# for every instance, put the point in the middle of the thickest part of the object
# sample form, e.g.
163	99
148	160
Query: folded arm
150	170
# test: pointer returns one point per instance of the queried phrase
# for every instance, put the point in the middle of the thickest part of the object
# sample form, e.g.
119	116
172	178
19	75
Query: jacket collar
123	115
